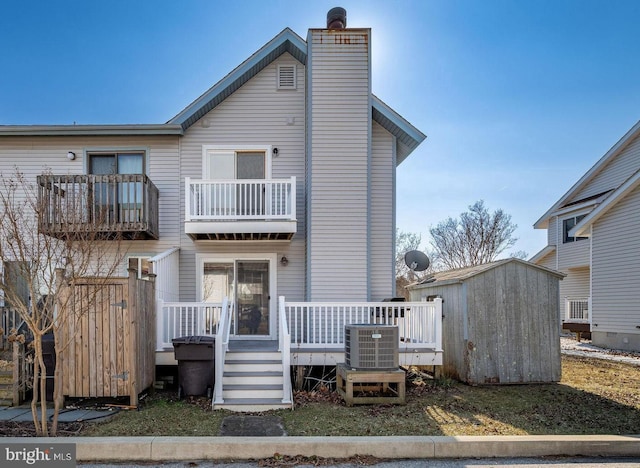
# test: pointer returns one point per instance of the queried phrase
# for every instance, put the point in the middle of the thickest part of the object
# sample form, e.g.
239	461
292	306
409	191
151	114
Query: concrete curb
123	449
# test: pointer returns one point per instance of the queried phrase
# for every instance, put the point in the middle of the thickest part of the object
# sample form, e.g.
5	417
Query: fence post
438	323
133	314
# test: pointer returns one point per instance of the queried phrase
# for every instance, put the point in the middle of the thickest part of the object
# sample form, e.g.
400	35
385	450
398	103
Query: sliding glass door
248	283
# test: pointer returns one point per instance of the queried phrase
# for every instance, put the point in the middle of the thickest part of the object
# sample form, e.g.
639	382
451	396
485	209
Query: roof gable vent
286	77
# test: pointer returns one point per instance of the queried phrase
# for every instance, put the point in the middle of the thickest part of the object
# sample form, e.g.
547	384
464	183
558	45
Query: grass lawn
594	397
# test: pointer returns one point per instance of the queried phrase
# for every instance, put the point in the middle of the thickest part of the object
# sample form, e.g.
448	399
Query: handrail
221	347
285	350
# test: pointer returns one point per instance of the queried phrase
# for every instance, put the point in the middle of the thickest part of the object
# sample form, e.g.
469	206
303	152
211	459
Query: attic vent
286	77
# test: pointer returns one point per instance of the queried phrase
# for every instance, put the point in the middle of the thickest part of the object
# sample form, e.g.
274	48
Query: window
567	225
142	265
126	162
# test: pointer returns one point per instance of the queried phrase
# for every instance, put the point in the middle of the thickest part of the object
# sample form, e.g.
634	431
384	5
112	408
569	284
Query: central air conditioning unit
371	347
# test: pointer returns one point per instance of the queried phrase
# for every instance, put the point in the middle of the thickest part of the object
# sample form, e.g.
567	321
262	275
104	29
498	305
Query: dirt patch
27	429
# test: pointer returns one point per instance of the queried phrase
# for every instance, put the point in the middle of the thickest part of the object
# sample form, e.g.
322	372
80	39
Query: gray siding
614	173
256	114
34	155
339	151
552	232
381	271
616	271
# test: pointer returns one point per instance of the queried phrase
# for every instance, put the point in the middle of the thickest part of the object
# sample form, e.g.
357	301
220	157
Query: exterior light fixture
71	155
275	152
284	261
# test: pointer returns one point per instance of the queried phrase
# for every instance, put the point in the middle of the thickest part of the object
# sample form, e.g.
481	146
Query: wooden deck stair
253	378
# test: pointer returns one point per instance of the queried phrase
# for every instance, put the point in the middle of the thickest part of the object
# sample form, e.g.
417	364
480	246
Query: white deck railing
321	325
577	309
221	348
285	349
310	325
235	200
186	319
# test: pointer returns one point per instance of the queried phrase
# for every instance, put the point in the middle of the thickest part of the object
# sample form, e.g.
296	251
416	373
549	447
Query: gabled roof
459	275
407	136
582	228
589	175
548	250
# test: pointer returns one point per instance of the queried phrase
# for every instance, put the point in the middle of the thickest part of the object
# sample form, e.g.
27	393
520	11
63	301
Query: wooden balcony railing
106	205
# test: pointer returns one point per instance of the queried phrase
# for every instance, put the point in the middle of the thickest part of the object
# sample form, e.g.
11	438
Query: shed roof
461	274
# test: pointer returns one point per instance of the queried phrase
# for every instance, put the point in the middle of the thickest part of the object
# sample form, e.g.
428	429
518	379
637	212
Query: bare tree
41	265
476	238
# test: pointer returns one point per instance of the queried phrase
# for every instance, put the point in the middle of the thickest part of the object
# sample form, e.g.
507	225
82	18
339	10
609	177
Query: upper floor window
126	162
567	225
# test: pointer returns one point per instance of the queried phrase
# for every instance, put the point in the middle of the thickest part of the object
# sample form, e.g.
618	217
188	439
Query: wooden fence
110	340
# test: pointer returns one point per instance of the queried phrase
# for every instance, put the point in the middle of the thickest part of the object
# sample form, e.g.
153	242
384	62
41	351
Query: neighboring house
279	181
594	238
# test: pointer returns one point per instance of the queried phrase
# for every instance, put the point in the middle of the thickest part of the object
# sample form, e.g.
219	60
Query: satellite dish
416	260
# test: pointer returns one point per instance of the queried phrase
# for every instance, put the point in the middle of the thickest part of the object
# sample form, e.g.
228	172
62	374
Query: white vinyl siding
548	261
616	268
552	233
382	256
571	254
574	286
257	114
339	119
619	169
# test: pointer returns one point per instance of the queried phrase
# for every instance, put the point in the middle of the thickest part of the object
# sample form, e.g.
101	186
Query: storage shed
501	322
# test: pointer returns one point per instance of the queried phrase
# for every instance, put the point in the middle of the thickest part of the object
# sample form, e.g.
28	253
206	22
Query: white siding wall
339	139
615	173
616	268
256	114
548	261
575	285
572	254
34	155
381	271
552	231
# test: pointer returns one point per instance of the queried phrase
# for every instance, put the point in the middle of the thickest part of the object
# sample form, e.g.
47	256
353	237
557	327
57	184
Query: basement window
286	77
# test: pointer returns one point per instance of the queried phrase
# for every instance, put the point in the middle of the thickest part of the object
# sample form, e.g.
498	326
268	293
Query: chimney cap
337	18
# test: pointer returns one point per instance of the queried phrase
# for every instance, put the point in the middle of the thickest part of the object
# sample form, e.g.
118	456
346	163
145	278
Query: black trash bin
49	358
195	356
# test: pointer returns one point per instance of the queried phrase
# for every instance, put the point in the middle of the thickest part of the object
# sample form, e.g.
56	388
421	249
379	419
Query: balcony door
249	282
236	197
117	200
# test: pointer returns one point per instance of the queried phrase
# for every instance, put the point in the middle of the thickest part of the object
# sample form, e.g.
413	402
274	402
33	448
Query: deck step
253	404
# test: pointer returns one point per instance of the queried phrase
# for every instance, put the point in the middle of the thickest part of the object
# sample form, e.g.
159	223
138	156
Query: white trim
272	258
268	151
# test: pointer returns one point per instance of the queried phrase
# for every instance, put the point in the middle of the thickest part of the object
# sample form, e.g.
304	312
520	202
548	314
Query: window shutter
286	77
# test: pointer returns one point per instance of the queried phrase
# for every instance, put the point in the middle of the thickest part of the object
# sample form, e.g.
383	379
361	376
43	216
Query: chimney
337	18
338	151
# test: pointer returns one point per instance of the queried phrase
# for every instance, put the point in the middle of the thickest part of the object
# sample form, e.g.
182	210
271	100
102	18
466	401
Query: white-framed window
142	265
287	76
567	225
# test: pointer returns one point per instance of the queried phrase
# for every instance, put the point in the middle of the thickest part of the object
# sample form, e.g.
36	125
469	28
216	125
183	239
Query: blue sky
518	98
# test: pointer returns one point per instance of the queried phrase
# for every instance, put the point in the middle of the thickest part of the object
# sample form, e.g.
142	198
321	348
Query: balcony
105	206
250	209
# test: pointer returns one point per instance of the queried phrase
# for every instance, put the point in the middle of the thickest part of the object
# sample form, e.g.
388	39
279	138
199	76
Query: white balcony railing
577	309
237	200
